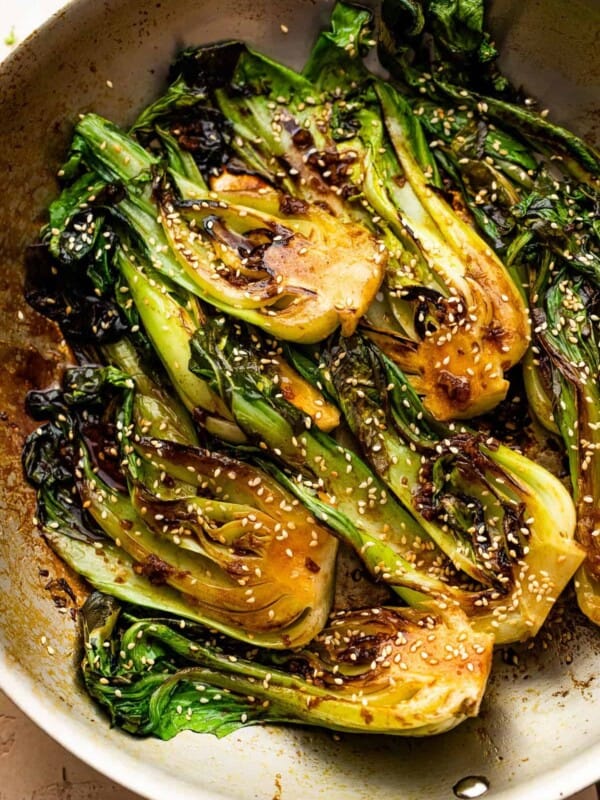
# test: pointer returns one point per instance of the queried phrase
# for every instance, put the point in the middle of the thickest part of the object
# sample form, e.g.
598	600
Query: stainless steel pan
539	732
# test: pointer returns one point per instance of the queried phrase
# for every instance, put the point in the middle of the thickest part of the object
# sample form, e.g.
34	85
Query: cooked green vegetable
284	291
241	553
484	328
499	517
449	312
467	519
532	188
169	325
368	672
446	54
330	479
566	368
292	269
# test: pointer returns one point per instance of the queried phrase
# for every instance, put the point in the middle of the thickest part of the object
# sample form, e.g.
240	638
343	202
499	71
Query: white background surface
32	765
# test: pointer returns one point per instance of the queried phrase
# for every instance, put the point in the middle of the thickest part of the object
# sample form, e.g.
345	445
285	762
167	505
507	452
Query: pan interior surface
538	735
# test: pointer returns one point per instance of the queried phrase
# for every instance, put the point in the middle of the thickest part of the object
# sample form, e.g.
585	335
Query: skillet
539	732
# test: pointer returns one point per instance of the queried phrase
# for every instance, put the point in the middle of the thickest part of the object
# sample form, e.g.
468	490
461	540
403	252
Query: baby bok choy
500	518
563	372
330	479
381	670
532	188
441	512
449	312
290	268
168	525
283	293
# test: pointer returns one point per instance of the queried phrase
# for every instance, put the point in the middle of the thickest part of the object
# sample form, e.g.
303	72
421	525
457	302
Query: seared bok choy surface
171	525
501	519
448	311
443	511
285	294
533	190
368	669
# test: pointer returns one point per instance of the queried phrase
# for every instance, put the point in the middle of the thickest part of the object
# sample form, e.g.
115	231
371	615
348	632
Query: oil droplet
470	787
